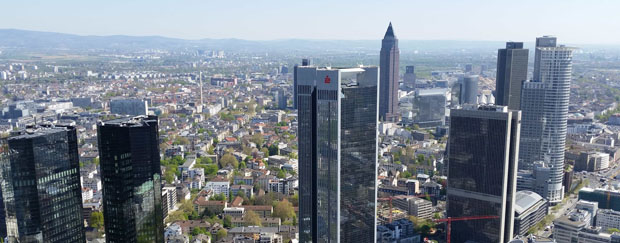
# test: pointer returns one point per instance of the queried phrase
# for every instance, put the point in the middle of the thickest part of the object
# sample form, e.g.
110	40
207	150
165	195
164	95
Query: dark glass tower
511	72
337	154
482	167
132	206
41	185
304	62
389	64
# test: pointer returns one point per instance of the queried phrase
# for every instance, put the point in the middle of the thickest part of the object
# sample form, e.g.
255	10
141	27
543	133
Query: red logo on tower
327	79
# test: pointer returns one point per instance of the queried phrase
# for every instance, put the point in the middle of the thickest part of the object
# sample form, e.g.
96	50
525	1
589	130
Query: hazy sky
572	21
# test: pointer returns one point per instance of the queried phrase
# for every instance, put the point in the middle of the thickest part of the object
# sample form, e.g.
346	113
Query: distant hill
37	40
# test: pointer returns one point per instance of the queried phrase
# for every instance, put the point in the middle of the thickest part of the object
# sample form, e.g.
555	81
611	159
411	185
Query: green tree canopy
284	210
96	220
252	219
229	159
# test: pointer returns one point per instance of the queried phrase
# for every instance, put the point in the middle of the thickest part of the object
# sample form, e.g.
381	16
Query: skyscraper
409	77
544	131
482	160
469	90
337	117
132	204
304	62
511	72
40	175
389	63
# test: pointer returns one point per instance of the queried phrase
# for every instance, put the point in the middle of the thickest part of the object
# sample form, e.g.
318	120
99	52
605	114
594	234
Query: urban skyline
149	139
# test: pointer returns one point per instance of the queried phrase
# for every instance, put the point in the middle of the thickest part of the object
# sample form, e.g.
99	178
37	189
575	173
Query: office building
414	206
131	175
608	218
530	208
280	100
469	90
337	129
133	107
409	77
429	107
590	207
511	72
389	68
576	228
304	62
606	198
482	149
41	185
545	136
592	161
532	124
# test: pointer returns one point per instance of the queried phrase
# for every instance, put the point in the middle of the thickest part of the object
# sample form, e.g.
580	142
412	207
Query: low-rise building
415	206
219	185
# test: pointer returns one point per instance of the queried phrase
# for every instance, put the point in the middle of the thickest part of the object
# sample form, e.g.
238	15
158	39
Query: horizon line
286	39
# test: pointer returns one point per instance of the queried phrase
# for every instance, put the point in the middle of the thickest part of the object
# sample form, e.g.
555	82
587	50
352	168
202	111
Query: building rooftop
37	130
525	200
136	121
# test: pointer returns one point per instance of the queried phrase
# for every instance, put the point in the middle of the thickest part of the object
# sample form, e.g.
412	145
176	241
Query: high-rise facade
389	63
304	62
40	176
337	129
545	137
469	90
409	77
482	154
511	72
131	176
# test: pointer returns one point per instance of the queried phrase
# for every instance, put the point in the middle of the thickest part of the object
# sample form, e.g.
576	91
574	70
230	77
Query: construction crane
449	221
389	199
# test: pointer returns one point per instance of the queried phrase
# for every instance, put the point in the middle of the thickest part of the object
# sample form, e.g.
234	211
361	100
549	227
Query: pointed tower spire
390	31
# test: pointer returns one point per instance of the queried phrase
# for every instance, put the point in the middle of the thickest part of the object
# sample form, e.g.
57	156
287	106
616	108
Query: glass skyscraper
40	175
482	160
131	175
511	72
337	122
544	137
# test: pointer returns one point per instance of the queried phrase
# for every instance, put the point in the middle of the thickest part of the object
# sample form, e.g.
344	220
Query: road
594	179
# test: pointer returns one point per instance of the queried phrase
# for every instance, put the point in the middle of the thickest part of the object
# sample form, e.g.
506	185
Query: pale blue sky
572	21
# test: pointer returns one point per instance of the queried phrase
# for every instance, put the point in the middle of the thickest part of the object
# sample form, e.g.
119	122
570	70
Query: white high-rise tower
544	138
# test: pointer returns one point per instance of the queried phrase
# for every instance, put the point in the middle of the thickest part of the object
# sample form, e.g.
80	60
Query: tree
221	234
229	159
227	221
211	169
218	197
613	230
181	141
198	230
265	151
273	149
96	220
283	210
258	139
252	219
405	174
281	174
